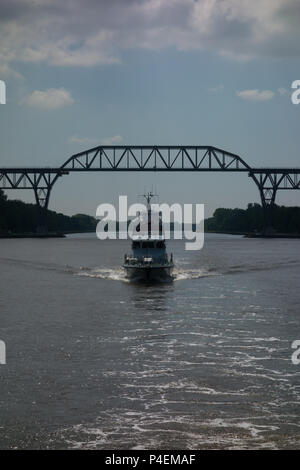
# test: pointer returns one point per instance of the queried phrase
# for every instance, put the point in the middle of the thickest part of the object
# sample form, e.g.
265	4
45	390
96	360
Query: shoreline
63	234
58	234
33	235
257	235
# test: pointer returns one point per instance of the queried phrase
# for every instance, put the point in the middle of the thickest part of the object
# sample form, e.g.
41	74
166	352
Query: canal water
95	362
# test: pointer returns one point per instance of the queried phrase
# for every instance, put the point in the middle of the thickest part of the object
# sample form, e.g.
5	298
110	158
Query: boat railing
148	260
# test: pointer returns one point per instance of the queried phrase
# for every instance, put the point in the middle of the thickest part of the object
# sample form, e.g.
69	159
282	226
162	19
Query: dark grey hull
149	273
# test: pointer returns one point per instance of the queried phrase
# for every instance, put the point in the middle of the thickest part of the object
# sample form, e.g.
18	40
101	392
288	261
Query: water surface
94	361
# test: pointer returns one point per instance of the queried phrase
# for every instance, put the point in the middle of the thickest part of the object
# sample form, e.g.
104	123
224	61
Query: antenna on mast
148	196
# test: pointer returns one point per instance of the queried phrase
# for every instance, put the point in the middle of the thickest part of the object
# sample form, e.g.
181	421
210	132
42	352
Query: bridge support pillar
267	185
268	203
42	196
268	229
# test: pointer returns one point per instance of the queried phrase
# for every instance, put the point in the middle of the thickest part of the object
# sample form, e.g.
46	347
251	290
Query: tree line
20	217
284	219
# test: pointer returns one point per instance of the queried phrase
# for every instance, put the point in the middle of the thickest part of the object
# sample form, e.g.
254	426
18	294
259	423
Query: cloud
255	95
86	141
89	142
114	140
53	98
217	89
7	71
282	91
96	32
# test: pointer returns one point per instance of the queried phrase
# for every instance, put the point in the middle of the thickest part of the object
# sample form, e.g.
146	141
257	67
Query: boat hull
149	273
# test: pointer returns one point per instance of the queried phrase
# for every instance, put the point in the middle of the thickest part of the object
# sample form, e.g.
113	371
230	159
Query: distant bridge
151	158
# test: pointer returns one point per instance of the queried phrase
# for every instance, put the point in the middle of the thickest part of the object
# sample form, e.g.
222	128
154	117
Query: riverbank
273	235
64	234
33	235
51	234
256	234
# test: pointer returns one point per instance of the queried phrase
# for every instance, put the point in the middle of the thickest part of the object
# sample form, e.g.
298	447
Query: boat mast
148	196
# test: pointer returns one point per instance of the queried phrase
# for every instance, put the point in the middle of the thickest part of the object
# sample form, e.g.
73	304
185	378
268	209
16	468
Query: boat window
147	245
135	244
160	244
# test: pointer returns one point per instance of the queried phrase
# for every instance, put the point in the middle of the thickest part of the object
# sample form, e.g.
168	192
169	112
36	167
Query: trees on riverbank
20	217
284	219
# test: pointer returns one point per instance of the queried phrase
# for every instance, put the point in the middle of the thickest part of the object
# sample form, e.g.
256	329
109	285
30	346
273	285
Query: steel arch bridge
186	158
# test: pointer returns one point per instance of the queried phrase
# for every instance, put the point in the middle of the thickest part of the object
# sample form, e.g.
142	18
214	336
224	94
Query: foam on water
185	274
112	274
118	274
160	430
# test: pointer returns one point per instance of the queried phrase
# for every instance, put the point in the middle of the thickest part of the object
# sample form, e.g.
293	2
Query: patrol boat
148	260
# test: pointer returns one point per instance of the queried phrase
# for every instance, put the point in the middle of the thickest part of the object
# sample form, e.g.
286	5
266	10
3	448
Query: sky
149	72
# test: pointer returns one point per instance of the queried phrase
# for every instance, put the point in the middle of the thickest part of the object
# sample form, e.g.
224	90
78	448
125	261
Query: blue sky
172	72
